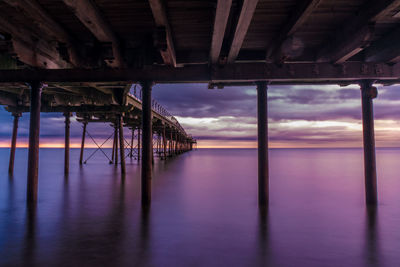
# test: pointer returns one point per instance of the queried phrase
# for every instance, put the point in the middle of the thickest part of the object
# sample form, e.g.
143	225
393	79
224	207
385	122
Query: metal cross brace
99	147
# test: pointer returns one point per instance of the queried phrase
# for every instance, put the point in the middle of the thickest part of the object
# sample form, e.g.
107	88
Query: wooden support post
83	142
262	123
147	143
116	144
13	143
368	92
121	143
133	137
139	140
67	141
33	153
164	144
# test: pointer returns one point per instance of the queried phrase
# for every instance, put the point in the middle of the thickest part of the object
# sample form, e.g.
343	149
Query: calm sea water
204	211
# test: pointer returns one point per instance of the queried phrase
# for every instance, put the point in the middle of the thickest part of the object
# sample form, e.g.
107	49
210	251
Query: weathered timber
324	73
33	152
347	45
167	51
30	48
147	143
356	33
262	128
245	17
221	18
296	20
13	143
386	49
368	93
48	25
89	14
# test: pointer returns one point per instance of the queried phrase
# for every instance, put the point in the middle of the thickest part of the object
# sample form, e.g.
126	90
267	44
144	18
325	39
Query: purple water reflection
204	211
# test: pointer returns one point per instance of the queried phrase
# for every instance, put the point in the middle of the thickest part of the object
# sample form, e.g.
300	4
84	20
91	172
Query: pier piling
262	127
121	143
82	143
139	140
164	143
13	143
147	141
368	93
33	153
116	144
67	141
132	139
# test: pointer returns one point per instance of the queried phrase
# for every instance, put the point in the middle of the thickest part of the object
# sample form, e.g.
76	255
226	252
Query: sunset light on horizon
300	116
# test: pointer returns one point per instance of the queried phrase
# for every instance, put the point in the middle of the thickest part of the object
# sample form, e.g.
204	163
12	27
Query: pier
83	58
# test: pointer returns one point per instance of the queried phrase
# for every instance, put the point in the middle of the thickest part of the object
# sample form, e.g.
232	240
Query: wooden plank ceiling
92	34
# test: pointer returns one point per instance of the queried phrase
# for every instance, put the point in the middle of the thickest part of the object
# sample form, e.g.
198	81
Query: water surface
204	211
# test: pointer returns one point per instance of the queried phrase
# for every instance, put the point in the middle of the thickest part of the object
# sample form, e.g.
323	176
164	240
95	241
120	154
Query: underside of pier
83	57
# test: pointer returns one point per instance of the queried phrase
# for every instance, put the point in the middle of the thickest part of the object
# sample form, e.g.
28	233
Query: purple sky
299	116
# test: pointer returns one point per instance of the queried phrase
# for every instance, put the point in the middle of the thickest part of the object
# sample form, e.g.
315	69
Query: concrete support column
262	123
368	92
33	153
147	143
83	142
121	143
13	143
67	141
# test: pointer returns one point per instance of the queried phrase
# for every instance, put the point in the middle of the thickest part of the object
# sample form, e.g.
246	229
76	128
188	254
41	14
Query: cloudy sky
299	116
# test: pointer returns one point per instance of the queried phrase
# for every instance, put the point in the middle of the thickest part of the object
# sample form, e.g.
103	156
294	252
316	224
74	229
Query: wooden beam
245	17
325	73
8	99
48	25
384	7
386	49
295	21
356	33
349	46
30	48
221	19
161	19
89	14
